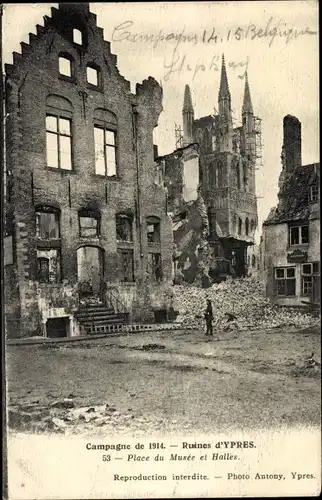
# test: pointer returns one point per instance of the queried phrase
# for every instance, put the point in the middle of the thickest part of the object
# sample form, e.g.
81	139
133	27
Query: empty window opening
65	66
240	226
47	224
48	266
126	260
89	224
105	151
93	76
154	266
77	36
124	231
299	235
246	226
59	142
153	230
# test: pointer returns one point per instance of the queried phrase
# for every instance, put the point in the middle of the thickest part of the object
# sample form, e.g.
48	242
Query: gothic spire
187	101
247	103
224	88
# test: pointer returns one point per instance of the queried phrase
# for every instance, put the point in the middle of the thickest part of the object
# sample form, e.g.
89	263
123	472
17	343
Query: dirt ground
166	382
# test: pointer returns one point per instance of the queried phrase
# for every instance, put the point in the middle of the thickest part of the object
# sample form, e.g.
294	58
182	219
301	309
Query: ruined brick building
290	243
88	238
220	158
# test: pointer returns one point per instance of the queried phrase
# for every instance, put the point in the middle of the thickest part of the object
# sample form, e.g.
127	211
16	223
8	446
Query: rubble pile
242	298
63	417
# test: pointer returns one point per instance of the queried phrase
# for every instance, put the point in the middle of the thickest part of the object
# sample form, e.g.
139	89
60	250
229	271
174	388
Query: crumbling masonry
87	230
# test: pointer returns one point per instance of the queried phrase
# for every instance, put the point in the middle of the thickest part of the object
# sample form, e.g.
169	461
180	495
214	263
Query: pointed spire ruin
187	101
247	103
224	87
187	117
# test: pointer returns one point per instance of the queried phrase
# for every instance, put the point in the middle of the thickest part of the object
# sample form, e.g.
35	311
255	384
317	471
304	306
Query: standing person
209	317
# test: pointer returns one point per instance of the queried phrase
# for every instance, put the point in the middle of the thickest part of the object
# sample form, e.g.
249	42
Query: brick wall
30	80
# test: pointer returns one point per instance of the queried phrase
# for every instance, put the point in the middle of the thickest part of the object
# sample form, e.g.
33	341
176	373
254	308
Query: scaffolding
178	136
258	142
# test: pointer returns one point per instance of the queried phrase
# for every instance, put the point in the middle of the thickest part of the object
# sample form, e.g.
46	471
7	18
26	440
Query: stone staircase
98	318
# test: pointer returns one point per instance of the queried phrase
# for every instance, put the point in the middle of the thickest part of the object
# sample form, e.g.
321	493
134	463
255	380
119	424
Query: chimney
292	143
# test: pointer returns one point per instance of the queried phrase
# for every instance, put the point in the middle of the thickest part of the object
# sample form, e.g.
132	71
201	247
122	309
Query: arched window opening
213	142
211	175
89	224
240	226
77	36
235	223
238	176
219	175
124	228
153	230
246	226
245	176
66	65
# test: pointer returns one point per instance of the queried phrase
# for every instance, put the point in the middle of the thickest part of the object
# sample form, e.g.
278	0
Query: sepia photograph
161	249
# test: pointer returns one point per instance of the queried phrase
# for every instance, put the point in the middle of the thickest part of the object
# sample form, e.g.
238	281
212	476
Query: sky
182	43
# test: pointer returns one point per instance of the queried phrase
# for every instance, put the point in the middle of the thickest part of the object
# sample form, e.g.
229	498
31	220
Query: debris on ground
237	304
152	347
78	420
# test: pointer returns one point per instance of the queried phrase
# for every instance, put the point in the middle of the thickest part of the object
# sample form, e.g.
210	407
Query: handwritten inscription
269	31
180	63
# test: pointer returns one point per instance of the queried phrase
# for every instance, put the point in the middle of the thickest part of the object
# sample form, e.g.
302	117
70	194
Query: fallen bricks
241	299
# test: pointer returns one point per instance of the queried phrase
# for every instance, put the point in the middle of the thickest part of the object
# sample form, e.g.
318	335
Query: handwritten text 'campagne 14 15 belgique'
270	31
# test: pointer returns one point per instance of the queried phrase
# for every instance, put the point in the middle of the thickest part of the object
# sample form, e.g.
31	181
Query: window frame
308	277
314	198
299	227
113	129
284	279
60	115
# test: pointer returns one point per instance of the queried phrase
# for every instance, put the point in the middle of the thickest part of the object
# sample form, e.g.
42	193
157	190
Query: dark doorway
57	327
90	272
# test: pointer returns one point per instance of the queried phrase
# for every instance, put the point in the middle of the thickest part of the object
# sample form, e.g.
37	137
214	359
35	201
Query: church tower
188	117
248	122
225	116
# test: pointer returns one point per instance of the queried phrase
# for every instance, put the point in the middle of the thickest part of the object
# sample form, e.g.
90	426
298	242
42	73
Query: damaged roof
206	121
294	204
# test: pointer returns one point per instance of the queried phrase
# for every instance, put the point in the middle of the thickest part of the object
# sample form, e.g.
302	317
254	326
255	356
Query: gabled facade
84	216
290	246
